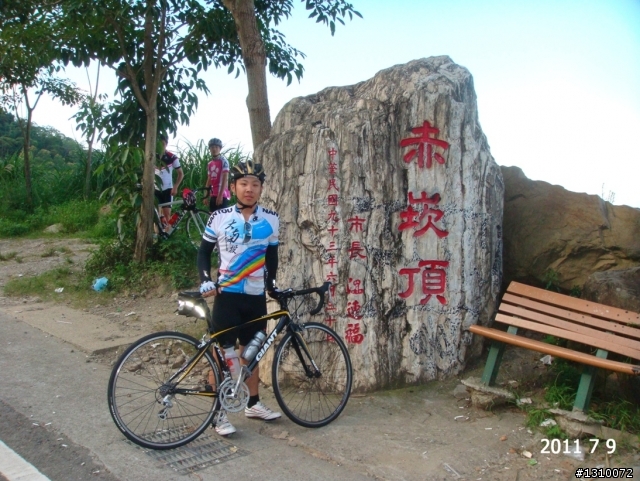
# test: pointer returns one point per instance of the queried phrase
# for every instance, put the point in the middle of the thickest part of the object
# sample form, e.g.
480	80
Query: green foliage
576	291
123	166
551	280
44	285
618	414
173	259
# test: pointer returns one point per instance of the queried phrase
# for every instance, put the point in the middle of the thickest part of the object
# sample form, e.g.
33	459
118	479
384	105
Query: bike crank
234	396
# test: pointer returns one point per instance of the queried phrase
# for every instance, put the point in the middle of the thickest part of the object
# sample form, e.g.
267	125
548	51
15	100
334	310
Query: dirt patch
107	321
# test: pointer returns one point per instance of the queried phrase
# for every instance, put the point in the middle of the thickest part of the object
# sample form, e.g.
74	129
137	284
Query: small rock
503	437
460	392
54	229
527	454
282	435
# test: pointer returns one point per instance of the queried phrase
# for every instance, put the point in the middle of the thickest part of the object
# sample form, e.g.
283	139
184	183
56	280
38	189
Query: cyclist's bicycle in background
160	395
196	218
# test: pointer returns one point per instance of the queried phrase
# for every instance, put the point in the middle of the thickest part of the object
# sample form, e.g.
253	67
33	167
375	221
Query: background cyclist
247	237
217	178
164	169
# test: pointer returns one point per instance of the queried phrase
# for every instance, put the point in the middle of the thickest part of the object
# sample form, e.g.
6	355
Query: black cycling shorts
163	196
232	309
212	204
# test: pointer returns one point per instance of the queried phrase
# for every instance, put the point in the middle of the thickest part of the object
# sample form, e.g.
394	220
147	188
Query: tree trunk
144	233
255	61
27	160
87	177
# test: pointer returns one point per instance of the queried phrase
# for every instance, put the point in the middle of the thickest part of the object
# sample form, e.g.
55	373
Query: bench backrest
596	325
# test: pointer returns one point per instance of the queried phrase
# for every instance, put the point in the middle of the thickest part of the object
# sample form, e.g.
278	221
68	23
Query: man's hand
219	200
209	288
174	191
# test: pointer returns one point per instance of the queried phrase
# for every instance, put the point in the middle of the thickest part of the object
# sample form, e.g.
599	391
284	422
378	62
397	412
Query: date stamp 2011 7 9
566	446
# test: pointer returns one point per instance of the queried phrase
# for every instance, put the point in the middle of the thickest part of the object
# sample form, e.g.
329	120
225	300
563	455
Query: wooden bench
601	328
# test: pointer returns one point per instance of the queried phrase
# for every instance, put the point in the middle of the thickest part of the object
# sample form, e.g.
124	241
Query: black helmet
243	169
215	141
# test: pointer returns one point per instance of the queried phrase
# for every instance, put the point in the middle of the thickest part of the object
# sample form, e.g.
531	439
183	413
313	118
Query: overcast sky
557	81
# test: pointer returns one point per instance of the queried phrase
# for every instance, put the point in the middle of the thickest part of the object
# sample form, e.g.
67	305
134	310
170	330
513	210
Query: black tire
309	401
135	391
195	227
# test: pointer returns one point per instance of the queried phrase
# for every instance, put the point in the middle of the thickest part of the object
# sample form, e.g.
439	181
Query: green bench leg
493	360
587	381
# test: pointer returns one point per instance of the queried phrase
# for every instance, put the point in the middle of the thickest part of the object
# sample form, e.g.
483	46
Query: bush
76	215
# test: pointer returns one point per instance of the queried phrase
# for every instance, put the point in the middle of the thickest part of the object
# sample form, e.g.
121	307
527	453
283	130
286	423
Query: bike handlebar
282	295
321	291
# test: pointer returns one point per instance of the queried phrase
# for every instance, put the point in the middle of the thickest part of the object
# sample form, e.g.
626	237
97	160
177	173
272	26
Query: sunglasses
247	233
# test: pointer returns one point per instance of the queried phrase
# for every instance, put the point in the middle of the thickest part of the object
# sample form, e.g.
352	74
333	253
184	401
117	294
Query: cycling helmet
215	141
243	169
189	198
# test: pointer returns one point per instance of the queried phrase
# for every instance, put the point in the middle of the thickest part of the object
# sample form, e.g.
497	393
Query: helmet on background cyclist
247	168
215	141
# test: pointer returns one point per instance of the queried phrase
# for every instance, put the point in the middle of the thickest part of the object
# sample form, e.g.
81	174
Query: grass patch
72	282
8	256
172	260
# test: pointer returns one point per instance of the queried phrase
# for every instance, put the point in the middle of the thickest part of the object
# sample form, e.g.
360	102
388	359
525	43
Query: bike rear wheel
196	224
142	400
308	399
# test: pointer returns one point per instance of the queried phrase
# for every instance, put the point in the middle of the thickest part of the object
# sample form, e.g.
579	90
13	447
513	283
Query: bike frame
205	344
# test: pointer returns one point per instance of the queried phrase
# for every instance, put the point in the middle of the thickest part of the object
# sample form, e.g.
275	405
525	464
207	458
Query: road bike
196	218
160	393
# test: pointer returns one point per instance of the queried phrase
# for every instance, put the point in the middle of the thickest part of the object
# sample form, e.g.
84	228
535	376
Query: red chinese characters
353	335
434	279
415	219
355	286
426	138
353	310
356	250
355	224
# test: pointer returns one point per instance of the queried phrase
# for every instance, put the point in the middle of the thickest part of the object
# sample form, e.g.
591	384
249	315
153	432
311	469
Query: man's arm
174	190
204	260
223	185
271	266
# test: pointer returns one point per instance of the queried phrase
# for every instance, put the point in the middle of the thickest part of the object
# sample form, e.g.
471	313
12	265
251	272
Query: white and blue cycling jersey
242	246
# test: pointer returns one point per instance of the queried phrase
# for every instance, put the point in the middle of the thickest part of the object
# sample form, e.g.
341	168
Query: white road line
14	468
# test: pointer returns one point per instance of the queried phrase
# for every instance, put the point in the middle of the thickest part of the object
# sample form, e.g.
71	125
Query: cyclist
217	178
247	238
168	163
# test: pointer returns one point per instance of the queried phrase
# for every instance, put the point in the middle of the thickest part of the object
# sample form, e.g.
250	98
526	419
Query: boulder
619	288
554	234
387	188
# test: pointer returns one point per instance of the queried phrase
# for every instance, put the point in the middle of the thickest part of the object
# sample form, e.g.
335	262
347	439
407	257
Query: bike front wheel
309	397
195	226
146	401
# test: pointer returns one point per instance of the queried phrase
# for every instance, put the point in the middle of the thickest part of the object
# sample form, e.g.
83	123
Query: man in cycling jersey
167	164
247	239
217	178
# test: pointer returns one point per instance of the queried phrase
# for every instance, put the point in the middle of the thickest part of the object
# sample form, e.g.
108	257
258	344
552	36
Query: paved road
53	413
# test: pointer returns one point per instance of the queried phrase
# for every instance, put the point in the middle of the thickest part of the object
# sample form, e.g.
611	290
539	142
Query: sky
557	81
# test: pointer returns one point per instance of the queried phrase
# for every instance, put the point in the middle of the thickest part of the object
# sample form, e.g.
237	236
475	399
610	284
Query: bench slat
556	351
569	335
580	305
567	325
512	299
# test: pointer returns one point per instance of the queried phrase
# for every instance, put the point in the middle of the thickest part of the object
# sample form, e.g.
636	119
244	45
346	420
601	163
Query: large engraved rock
388	189
550	229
